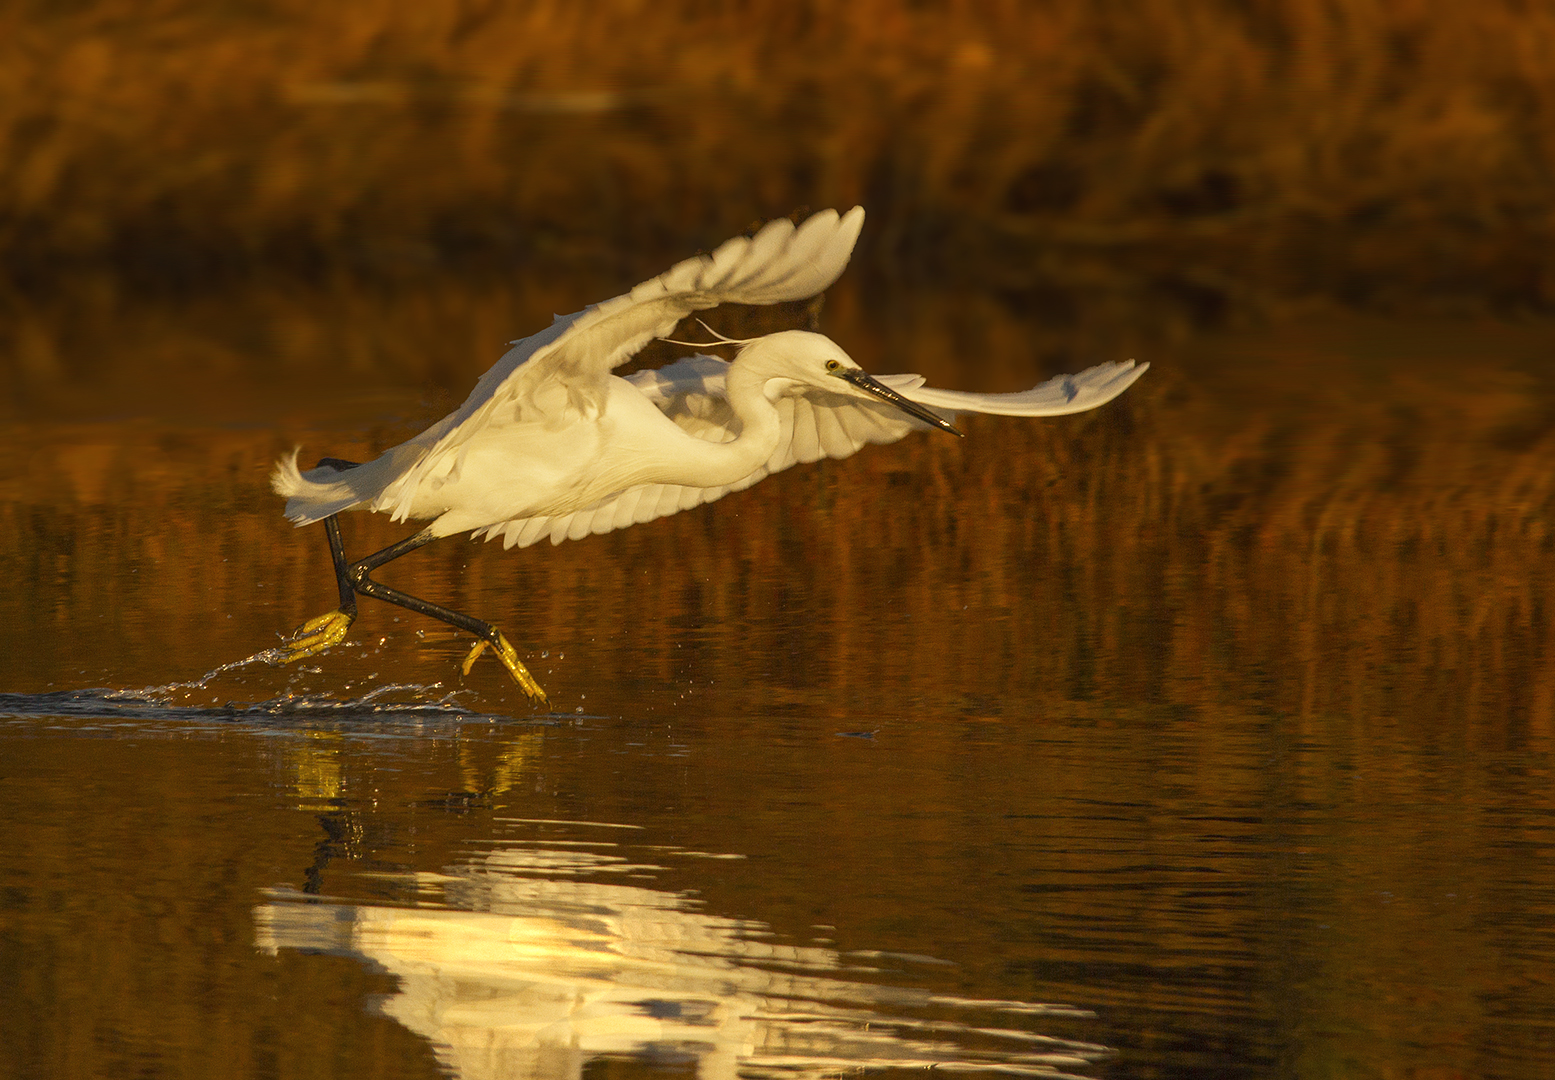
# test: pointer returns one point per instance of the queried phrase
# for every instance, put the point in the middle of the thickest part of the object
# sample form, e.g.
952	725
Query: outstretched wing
691	392
1059	396
561	371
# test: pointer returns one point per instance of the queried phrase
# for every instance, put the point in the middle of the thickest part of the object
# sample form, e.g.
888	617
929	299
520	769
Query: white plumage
552	429
817	425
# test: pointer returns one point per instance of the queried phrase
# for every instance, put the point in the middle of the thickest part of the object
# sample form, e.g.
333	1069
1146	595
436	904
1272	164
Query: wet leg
318	634
330	629
485	633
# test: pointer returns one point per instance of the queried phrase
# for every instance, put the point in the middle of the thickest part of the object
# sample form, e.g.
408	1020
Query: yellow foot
316	635
509	657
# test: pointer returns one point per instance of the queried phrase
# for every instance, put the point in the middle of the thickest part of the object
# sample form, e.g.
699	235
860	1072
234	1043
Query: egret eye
833	365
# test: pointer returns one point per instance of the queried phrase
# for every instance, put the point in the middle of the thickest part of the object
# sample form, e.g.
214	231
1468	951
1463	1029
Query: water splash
175	701
164	693
378	705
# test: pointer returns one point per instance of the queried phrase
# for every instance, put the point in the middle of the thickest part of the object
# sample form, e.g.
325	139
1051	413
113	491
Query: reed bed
1384	153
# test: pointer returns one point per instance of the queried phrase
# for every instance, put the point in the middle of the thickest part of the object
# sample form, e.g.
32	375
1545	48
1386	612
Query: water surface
1207	734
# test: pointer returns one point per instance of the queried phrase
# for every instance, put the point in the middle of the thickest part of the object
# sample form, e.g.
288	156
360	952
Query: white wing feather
566	365
691	393
577	352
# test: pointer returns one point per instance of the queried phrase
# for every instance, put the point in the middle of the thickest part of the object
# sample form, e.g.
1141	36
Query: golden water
1221	717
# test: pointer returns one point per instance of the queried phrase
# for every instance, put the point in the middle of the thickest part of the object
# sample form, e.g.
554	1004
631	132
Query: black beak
868	383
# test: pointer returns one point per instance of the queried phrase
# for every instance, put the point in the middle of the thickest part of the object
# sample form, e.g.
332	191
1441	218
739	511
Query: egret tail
328	489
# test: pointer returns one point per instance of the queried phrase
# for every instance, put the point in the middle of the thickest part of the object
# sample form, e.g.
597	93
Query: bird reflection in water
535	969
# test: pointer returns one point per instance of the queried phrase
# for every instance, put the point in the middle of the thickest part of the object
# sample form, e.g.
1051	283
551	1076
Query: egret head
795	360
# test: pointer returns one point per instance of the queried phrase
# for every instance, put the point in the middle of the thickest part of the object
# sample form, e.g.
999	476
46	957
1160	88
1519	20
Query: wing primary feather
814	259
533	530
770	244
1058	396
669	500
833	439
720	267
626	508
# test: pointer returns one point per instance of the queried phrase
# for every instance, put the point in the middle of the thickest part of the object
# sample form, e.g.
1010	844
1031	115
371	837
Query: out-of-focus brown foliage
1373	151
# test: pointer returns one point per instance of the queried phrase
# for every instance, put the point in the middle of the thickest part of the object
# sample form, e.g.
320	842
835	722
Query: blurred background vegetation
1222	154
393	190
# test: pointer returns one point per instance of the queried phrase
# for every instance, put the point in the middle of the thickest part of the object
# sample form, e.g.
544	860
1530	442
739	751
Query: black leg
362	583
337	552
354	578
488	634
337	547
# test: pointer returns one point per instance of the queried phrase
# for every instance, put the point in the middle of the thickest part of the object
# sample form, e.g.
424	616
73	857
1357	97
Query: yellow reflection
316	766
514	759
536	977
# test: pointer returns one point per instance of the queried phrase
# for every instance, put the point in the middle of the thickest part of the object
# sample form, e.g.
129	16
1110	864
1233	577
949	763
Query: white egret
551	444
